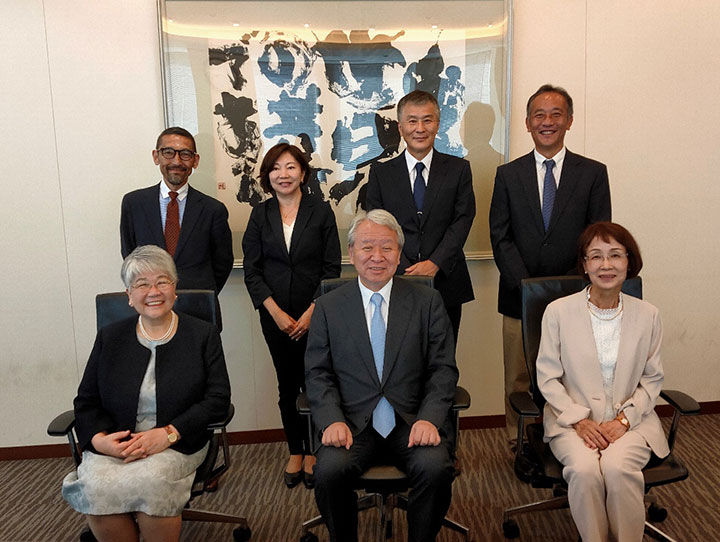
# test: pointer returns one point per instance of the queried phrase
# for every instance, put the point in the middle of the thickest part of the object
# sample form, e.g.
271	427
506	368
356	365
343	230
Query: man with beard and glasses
190	225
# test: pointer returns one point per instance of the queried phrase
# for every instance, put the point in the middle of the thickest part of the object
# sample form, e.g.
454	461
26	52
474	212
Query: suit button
617	406
546	244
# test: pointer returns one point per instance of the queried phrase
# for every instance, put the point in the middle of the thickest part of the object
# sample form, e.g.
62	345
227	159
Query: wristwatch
623	420
172	435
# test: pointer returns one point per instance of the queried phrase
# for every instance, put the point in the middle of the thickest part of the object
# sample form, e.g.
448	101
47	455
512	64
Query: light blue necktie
383	415
549	189
419	187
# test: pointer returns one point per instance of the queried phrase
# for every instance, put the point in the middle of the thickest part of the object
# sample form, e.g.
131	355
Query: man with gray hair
380	375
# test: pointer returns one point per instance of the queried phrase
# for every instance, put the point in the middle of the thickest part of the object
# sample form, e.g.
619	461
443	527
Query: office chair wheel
242	535
86	535
656	514
309	537
510	528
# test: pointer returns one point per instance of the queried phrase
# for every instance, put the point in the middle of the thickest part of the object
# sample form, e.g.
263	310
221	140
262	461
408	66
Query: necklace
173	317
605	314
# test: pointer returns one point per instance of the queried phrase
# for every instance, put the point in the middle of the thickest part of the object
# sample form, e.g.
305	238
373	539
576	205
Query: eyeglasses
169	153
163	285
613	257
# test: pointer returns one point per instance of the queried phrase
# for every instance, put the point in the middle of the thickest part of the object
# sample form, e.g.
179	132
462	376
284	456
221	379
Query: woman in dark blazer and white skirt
290	245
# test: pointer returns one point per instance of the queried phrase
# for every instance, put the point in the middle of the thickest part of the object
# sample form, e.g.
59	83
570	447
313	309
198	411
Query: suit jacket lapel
274	218
357	331
625	358
566	187
151	208
397	325
193	210
434	185
529	181
301	220
587	337
403	182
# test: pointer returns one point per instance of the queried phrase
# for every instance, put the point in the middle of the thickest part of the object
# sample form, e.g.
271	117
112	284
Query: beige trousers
516	375
605	487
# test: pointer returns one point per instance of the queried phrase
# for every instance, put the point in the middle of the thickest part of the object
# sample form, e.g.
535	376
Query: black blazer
448	212
292	279
521	246
419	372
192	385
204	255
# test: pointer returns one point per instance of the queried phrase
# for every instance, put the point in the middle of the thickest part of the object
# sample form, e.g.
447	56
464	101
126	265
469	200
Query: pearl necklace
605	314
173	317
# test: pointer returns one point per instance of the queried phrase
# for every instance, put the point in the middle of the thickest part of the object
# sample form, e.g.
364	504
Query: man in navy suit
431	196
380	375
541	204
201	242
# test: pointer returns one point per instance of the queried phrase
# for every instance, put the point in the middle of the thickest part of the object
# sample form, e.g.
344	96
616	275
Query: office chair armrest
62	424
522	403
220	424
681	402
461	401
302	404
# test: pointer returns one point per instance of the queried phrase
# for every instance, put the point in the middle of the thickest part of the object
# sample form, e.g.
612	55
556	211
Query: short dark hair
417	97
176	130
608	231
550	88
272	156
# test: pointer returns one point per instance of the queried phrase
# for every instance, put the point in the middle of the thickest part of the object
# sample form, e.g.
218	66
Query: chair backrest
328	285
537	294
112	307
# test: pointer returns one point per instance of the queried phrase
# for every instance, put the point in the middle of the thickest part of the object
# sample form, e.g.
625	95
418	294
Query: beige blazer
568	368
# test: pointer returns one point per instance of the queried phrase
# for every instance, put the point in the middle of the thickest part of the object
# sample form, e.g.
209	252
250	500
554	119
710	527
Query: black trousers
429	468
289	360
454	313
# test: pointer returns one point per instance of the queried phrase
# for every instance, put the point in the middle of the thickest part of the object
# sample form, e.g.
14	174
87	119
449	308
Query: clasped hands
599	435
426	268
294	328
422	433
138	446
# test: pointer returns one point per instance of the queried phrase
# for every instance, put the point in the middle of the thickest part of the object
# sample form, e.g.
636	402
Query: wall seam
60	192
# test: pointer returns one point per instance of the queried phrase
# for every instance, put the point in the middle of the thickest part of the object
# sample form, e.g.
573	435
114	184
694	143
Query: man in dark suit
191	226
431	196
541	204
381	391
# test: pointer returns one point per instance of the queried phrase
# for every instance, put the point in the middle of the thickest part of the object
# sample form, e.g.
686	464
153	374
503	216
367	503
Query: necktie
383	415
172	224
549	190
419	186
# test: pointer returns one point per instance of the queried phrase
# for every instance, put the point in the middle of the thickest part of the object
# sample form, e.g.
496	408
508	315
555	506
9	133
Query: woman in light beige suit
599	370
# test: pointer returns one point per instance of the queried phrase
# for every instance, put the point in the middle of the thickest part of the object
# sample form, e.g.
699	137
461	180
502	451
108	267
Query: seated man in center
380	375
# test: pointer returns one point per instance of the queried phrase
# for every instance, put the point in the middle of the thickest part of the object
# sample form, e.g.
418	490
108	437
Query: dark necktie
419	187
549	189
172	224
383	415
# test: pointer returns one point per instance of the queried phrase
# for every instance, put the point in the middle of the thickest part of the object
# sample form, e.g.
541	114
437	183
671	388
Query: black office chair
112	307
385	486
546	470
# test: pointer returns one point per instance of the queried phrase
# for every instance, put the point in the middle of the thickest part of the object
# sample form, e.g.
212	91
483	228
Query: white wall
82	106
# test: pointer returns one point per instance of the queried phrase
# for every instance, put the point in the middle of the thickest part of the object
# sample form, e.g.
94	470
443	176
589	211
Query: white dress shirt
557	170
411	161
165	201
369	308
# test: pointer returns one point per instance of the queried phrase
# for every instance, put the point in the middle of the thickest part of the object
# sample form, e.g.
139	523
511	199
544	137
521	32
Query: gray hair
147	259
380	217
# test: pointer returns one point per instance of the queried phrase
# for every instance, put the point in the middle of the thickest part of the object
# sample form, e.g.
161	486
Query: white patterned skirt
158	485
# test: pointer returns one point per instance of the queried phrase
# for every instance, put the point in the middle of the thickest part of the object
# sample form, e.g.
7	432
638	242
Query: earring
130	303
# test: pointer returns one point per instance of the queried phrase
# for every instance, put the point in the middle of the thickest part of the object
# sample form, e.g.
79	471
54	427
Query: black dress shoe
524	469
292	478
308	480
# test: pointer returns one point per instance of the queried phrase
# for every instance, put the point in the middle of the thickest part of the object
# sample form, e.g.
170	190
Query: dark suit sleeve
507	256
127	228
253	260
442	373
90	416
373	197
331	248
221	250
216	397
445	255
320	380
599	208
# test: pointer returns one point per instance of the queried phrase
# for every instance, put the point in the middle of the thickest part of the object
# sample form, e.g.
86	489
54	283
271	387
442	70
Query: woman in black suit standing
290	245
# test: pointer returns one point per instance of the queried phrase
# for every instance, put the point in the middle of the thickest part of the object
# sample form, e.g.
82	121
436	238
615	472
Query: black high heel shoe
292	479
308	480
